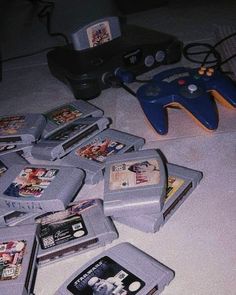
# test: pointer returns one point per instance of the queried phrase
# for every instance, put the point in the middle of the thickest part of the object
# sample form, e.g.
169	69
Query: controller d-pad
152	90
191	91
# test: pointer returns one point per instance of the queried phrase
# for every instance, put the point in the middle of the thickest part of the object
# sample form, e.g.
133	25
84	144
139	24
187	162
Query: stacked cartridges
135	183
78	135
44	218
18	264
141	191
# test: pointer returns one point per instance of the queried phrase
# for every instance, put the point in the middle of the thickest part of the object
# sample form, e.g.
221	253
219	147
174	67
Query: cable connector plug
124	76
111	80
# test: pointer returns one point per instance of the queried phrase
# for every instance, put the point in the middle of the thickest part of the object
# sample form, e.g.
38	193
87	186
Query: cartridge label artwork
174	184
134	174
64	115
99	33
99	150
59	227
10	125
107	277
11	258
31	182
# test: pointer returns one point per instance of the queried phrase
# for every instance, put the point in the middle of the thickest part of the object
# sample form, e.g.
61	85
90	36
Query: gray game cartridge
8	148
10	217
96	33
7	160
21	129
79	228
122	269
39	188
92	154
18	267
67	113
181	182
62	141
12	148
134	183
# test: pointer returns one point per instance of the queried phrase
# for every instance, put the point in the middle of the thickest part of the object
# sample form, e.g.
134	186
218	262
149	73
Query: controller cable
128	89
122	77
216	44
113	81
211	51
228	59
188	53
45	12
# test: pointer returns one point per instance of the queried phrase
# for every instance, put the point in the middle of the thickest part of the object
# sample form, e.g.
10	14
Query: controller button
149	61
201	72
160	56
181	82
210	72
192	88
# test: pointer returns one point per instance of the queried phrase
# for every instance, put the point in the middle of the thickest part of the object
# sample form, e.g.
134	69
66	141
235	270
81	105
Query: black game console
137	50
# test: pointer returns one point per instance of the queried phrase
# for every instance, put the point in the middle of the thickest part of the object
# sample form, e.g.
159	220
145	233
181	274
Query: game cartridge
7	148
91	155
11	148
67	113
120	270
7	160
18	267
62	141
134	183
79	228
37	188
181	182
10	217
21	129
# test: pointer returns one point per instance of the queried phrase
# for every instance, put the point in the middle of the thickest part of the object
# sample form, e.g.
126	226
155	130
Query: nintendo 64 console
101	47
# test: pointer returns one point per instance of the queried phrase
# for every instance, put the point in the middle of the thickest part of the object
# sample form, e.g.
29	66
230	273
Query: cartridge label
31	182
11	258
134	174
99	149
174	184
106	276
10	125
59	227
64	115
99	33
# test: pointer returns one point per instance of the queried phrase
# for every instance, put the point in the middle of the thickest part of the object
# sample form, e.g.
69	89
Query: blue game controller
190	89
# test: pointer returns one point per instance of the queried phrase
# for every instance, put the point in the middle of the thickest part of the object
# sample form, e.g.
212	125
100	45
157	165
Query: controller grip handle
203	110
157	116
225	92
